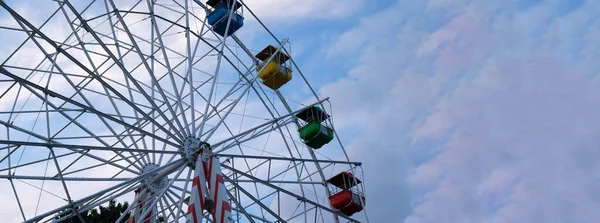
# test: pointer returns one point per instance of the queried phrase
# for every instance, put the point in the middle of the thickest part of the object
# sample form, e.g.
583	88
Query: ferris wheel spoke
118	152
294	162
163	210
170	208
214	108
95	69
286	192
245	49
169	8
250	134
71	121
85	179
67	46
14	167
17	198
190	67
183	192
256	200
92	135
174	204
216	73
238	206
273	115
112	189
122	171
251	216
114	97
173	24
28	84
241	63
232	134
271	177
303	213
244	75
96	201
37	111
84	147
144	61
177	197
54	65
234	88
38	70
286	159
214	48
215	112
12	29
40	188
29	36
155	199
153	110
72	149
121	66
283	182
113	160
169	68
259	130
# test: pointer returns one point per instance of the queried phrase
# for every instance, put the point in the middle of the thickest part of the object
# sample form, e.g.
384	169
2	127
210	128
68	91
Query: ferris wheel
172	106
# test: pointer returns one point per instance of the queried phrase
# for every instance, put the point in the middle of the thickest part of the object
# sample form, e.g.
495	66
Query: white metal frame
145	115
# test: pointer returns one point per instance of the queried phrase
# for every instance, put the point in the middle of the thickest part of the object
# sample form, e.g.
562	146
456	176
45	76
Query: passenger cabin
273	72
315	132
219	16
346	198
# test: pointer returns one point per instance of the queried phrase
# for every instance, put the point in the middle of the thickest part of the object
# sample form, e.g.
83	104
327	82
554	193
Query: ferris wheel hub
154	184
190	149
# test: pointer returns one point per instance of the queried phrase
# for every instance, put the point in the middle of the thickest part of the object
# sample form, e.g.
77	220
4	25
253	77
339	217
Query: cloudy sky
465	111
460	110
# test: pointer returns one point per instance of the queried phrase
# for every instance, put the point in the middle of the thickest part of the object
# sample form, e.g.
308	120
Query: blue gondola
219	16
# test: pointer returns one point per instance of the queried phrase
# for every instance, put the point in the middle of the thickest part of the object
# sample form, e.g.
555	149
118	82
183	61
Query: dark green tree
108	214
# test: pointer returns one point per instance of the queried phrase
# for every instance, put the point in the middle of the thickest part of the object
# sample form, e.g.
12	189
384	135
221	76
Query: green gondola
315	134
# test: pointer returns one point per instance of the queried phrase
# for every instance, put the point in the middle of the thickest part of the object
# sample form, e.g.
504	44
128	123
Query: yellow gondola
275	73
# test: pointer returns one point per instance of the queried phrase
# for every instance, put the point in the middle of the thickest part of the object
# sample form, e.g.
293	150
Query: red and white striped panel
208	182
196	205
222	209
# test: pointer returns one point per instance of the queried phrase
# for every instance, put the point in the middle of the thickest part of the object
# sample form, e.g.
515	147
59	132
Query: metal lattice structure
136	100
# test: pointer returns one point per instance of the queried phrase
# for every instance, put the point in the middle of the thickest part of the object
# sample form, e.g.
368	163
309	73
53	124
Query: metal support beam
288	193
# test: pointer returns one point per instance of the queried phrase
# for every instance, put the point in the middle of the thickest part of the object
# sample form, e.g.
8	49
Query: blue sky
460	110
466	111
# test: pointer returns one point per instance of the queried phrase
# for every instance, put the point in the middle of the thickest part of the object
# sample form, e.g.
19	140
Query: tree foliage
108	214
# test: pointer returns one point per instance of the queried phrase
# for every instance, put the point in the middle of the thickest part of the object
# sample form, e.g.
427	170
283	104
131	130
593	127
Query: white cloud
489	119
290	10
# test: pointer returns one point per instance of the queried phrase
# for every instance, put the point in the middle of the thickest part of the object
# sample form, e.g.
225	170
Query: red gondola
346	199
